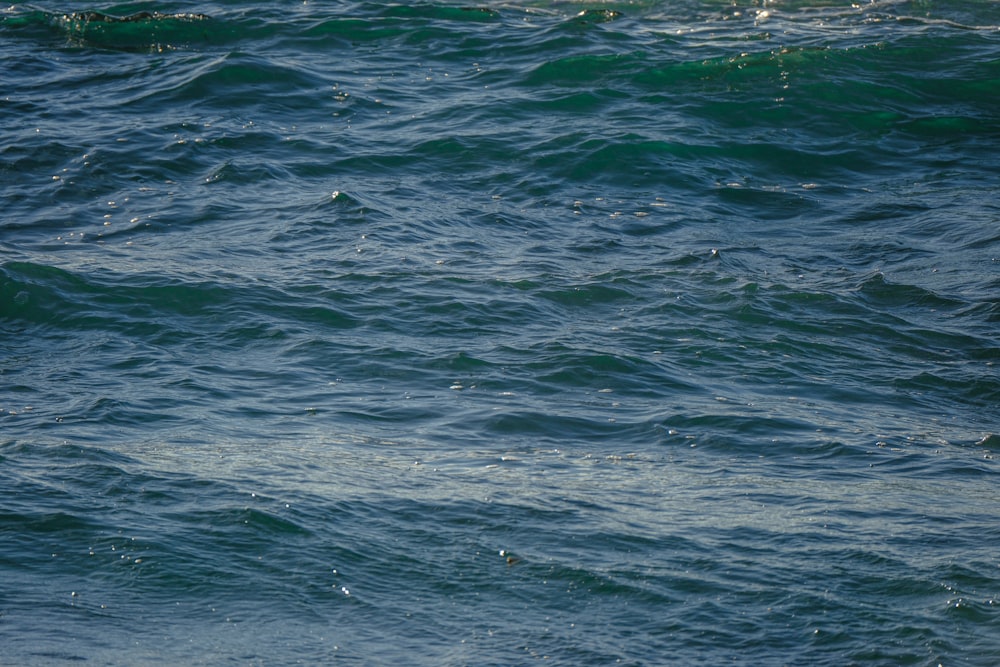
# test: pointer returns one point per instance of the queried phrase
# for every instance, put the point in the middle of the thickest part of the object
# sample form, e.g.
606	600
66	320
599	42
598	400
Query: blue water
509	333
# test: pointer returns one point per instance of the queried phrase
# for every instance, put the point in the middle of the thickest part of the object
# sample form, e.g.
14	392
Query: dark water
568	333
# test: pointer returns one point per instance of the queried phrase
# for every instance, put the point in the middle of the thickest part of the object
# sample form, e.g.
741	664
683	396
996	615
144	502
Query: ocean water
500	333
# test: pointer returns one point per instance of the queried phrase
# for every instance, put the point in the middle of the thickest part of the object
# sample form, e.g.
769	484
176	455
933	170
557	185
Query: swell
727	346
790	116
140	31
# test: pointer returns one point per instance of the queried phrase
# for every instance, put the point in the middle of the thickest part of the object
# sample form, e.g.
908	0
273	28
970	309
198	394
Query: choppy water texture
433	333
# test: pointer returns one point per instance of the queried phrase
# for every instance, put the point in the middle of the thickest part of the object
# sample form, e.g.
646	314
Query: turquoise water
509	333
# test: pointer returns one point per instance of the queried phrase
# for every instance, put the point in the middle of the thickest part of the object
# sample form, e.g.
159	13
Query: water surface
575	333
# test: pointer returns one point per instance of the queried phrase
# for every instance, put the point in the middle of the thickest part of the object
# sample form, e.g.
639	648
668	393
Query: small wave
139	31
